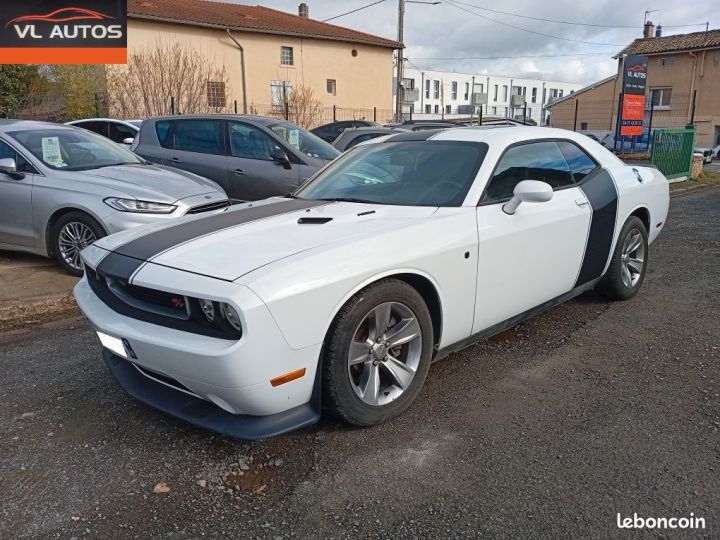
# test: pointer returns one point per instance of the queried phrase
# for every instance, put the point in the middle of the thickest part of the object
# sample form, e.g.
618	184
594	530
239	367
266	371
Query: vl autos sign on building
633	101
63	32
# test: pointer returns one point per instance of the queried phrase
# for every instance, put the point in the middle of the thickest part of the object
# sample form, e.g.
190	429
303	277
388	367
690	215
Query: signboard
633	101
466	109
63	32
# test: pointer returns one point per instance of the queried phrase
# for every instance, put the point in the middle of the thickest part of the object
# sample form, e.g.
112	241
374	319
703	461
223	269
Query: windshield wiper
290	195
348	199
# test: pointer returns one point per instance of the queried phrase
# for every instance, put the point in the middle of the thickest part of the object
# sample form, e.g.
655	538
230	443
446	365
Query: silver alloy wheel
632	258
385	353
74	237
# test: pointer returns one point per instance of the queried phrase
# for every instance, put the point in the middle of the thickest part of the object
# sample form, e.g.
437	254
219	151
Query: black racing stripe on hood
124	260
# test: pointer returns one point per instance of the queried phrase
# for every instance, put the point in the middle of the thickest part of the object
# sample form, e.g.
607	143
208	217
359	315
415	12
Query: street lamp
398	84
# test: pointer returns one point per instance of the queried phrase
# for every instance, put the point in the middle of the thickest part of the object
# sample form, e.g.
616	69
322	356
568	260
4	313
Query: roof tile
680	42
248	18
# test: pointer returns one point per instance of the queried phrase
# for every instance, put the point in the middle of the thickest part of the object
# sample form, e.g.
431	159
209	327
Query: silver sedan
62	187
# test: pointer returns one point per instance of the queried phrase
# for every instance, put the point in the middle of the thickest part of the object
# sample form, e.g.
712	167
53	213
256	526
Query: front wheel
626	271
378	354
72	233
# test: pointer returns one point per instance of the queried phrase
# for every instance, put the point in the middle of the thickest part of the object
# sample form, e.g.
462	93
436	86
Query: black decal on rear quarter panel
124	260
600	191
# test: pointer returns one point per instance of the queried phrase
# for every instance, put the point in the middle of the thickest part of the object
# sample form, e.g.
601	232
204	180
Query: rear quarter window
162	129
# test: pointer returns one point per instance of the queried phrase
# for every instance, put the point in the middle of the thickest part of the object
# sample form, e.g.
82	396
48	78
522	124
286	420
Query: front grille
209	207
152	300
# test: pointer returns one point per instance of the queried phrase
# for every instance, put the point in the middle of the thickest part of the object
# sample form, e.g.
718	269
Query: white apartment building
447	94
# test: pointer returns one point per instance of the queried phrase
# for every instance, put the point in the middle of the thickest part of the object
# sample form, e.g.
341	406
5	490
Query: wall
595	108
363	81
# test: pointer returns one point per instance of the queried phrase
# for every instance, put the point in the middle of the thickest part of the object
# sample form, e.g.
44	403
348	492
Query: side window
362	138
6	151
247	141
162	128
203	136
96	127
533	161
120	132
580	163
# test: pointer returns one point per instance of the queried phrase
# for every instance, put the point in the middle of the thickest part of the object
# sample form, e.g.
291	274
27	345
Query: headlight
231	316
141	207
208	310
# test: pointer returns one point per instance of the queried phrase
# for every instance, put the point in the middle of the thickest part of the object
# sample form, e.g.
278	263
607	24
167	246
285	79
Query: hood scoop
313	220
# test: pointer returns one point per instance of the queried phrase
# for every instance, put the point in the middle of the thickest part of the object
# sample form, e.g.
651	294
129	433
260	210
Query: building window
331	87
505	93
561	93
428	109
427	89
479	88
409	84
583	126
216	94
494	110
280	92
448	109
453	95
467	91
496	93
437	90
533	97
666	61
286	56
661	98
437	109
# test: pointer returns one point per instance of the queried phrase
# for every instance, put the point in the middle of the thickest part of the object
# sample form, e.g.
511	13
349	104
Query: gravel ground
548	430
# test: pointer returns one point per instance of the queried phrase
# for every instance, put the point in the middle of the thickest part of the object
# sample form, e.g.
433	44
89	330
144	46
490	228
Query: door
198	146
252	172
16	224
534	255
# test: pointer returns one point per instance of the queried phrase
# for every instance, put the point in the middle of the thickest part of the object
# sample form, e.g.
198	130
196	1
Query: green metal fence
672	151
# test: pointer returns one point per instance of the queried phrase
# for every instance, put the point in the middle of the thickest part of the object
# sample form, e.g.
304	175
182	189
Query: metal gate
672	151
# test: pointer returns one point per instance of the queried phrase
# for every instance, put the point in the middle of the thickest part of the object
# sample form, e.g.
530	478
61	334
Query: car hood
233	252
151	182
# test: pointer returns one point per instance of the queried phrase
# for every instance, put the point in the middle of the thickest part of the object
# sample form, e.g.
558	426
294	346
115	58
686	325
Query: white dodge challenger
339	296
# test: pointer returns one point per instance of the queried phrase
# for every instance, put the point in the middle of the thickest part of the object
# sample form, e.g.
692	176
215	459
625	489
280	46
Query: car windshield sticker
294	138
51	151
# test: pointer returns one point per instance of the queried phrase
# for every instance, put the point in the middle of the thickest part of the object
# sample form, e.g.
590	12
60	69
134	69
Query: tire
343	383
71	234
617	284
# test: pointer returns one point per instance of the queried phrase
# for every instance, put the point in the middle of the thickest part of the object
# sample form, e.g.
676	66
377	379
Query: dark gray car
352	137
251	157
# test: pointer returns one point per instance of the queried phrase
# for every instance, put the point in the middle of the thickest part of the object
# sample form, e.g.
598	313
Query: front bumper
204	414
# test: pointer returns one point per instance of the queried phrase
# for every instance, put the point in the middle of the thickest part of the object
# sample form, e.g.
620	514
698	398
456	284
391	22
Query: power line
508	57
452	3
353	11
574	23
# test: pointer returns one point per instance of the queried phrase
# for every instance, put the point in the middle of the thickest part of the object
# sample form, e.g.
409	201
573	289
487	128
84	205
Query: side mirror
9	167
528	191
129	140
281	158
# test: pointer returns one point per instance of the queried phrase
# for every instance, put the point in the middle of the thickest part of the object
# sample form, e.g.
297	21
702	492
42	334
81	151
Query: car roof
264	120
12	125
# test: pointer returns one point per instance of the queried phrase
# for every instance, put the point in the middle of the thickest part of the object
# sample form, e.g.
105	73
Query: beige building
266	53
681	68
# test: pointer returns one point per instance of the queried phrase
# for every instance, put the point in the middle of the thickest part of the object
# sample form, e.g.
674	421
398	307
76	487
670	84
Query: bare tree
170	69
300	106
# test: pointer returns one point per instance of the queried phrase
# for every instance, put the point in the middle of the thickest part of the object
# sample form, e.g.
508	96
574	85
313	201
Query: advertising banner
633	102
63	32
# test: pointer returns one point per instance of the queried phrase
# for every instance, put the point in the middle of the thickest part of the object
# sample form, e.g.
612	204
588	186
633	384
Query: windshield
405	173
74	149
304	141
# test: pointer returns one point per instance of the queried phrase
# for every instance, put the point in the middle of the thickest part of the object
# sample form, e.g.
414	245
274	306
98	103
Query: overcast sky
446	31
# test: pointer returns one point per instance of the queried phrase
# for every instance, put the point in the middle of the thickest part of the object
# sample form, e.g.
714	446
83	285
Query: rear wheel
72	233
626	271
378	354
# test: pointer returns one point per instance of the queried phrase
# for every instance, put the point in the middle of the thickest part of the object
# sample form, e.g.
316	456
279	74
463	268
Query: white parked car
402	250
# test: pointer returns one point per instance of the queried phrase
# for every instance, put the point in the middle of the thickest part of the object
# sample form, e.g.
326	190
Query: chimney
649	30
658	31
303	11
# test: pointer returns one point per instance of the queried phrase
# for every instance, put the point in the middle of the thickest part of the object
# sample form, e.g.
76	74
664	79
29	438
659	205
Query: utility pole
399	98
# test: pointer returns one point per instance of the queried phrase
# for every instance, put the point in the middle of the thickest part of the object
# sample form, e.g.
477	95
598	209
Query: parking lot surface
548	430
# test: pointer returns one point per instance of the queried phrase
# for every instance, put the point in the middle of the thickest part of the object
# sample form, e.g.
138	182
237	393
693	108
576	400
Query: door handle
239	172
176	160
581	202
